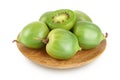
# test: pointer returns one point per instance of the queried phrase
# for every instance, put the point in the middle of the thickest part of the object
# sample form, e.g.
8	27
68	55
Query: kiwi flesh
62	18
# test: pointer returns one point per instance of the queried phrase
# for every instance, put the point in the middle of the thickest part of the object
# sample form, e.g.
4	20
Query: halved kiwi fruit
62	18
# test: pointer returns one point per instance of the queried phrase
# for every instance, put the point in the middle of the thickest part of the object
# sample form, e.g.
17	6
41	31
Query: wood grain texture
79	59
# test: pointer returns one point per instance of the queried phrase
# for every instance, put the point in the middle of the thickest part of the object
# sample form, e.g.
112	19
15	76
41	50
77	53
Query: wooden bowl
79	59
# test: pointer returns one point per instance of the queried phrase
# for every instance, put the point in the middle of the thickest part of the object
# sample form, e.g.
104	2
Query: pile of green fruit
63	32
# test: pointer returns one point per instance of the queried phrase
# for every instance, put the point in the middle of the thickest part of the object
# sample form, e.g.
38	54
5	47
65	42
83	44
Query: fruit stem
45	41
15	41
106	35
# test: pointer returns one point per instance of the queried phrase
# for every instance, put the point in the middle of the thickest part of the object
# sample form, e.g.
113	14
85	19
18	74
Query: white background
15	14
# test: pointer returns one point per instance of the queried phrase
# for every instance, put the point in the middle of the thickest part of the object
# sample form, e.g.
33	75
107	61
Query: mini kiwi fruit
89	34
62	18
33	34
81	16
43	17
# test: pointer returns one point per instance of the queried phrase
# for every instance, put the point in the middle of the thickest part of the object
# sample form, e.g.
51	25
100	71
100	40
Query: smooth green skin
81	16
89	35
68	24
62	44
32	34
43	18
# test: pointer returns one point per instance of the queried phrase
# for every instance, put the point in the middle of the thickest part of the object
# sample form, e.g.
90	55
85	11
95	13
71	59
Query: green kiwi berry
63	18
89	35
44	16
62	44
32	35
81	16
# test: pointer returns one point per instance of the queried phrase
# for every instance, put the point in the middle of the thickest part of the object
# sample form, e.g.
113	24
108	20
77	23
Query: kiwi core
60	18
